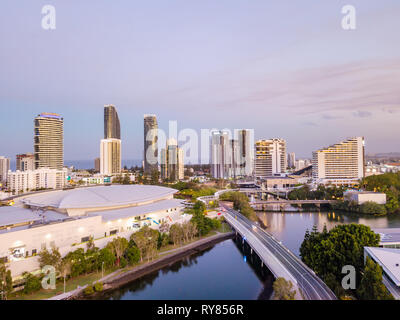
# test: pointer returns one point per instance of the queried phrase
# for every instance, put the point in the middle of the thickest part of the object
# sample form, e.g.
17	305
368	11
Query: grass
70	285
83	280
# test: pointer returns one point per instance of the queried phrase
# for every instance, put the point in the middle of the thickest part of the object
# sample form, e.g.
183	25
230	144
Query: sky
286	69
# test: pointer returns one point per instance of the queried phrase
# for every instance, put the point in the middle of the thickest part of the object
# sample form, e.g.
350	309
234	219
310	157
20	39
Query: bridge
262	205
279	260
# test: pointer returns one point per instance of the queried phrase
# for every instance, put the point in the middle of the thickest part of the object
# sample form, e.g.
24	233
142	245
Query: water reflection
291	227
217	273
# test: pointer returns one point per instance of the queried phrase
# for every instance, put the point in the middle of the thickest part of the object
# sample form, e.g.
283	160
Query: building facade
150	153
4	168
112	128
49	141
291	160
271	157
31	180
340	164
110	157
220	155
25	162
172	162
246	152
97	164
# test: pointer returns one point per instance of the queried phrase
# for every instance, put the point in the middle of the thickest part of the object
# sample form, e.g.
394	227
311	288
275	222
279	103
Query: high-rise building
341	164
4	167
172	165
110	157
234	159
49	141
291	160
220	154
25	162
150	144
97	164
112	129
246	152
270	157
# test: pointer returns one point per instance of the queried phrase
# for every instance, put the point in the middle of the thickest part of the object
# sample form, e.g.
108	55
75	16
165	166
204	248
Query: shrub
32	283
88	291
98	286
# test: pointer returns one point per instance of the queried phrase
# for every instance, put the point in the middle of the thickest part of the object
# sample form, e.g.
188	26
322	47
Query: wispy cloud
362	114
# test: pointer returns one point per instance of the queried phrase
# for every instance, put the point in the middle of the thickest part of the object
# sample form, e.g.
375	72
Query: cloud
362	114
310	123
330	117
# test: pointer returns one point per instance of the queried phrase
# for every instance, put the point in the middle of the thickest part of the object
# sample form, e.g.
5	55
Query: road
312	287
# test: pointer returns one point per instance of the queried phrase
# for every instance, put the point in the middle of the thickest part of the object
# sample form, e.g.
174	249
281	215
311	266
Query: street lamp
102	269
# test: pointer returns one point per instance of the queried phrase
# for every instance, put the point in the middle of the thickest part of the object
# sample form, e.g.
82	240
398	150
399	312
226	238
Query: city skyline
210	75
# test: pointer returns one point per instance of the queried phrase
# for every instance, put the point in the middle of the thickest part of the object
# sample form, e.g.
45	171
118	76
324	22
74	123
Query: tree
283	289
370	207
5	281
176	233
106	258
50	258
146	239
118	247
32	283
65	269
155	177
371	286
327	252
132	254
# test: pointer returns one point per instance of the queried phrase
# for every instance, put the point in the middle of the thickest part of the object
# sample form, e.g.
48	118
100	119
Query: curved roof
98	197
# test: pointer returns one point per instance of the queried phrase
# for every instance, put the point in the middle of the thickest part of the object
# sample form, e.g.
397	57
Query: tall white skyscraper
4	167
341	163
110	157
291	160
220	154
246	152
270	157
172	162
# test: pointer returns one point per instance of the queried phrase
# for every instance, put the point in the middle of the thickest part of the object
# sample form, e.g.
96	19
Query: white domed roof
101	196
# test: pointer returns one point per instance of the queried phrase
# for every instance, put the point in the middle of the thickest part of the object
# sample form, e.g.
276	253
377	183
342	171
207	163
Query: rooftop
99	196
388	235
111	215
389	260
12	216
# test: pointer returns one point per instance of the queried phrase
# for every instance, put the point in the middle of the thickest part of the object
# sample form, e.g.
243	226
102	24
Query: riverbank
122	277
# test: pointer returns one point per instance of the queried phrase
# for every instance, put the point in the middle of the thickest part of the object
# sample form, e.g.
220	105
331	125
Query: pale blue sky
285	68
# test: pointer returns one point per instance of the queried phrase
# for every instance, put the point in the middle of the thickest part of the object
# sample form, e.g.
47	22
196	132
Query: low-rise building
365	196
68	219
22	181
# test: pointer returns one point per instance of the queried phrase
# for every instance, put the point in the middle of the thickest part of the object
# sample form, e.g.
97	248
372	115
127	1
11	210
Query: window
34	252
113	232
85	239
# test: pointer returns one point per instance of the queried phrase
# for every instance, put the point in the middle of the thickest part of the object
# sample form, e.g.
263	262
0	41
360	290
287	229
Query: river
225	272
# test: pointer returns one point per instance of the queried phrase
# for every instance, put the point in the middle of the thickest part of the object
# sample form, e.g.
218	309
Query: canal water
228	270
225	271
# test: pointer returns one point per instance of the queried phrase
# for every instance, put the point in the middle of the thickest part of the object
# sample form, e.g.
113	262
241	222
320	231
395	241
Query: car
254	227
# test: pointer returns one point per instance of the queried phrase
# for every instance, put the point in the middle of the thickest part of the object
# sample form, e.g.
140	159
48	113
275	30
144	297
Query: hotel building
340	164
271	157
110	157
49	141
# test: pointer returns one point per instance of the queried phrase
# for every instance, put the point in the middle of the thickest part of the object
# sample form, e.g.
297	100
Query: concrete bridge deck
278	258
